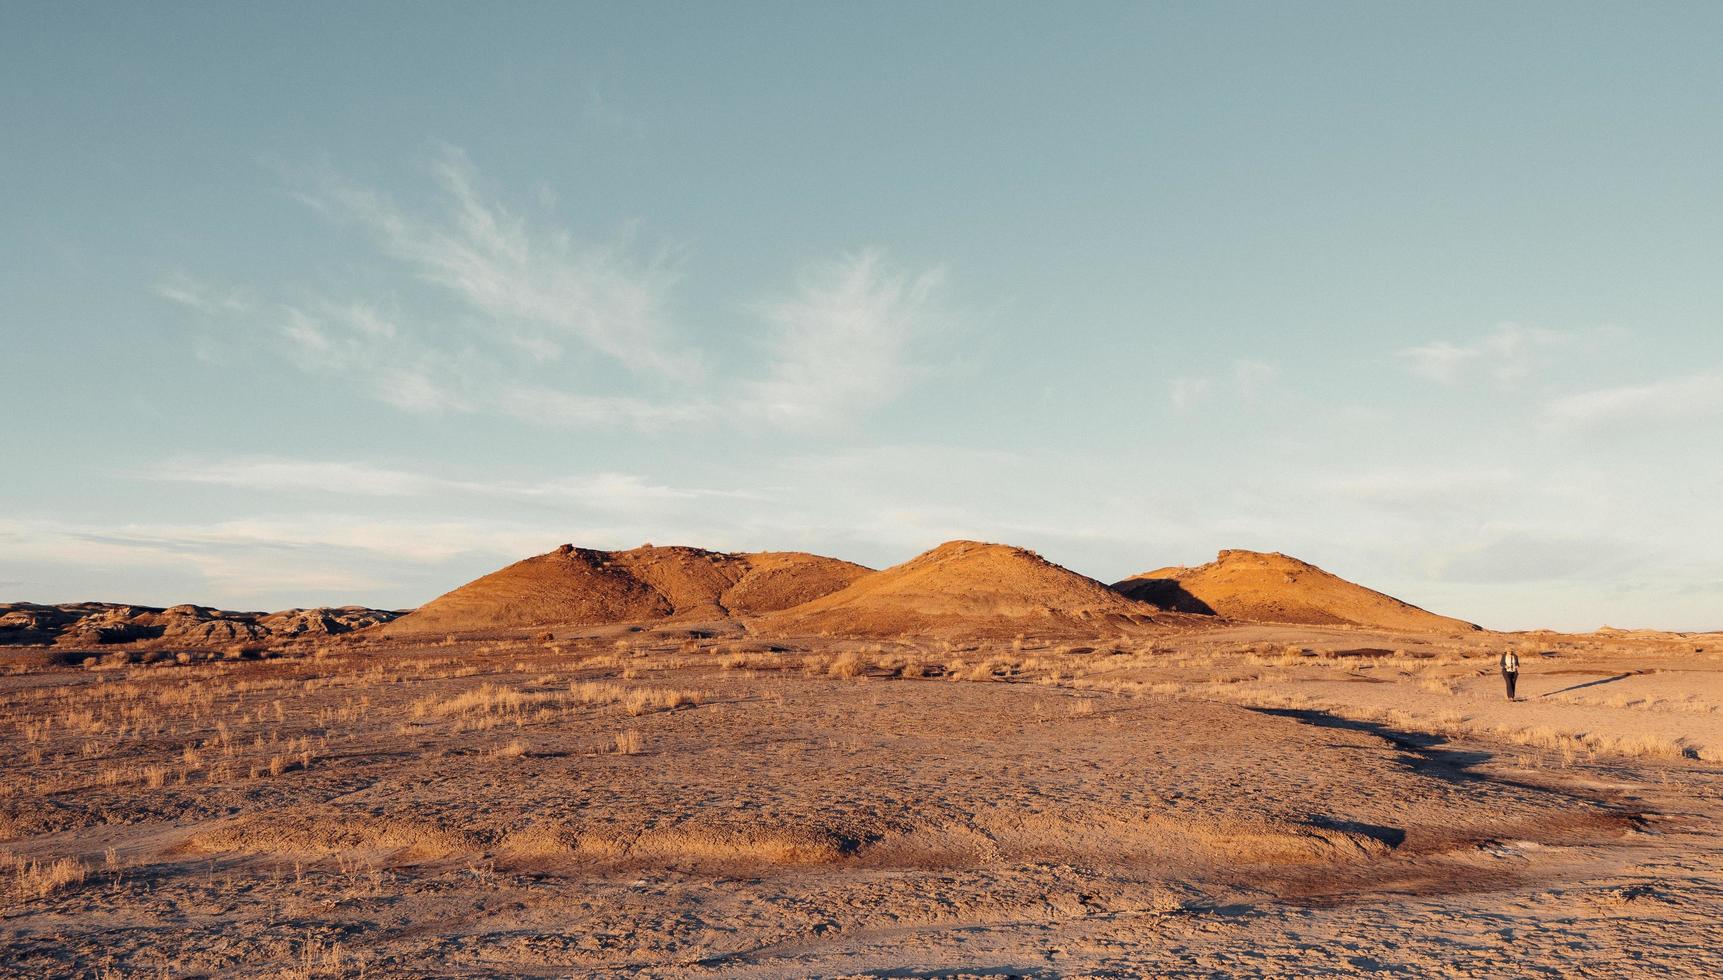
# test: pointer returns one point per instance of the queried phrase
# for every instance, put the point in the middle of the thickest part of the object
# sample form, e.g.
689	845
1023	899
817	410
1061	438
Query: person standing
1510	671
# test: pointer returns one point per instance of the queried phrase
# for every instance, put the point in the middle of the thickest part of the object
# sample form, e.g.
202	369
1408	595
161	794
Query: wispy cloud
1186	393
601	108
1419	486
1248	378
1497	553
841	343
598	491
1511	352
543	321
202	297
1251	377
541	285
357	341
339	557
542	405
1687	396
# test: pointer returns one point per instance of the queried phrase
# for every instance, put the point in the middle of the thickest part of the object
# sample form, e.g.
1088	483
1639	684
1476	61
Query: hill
584	587
968	588
1277	588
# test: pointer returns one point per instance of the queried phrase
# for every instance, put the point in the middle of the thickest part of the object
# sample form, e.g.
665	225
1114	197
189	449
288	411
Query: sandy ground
1260	801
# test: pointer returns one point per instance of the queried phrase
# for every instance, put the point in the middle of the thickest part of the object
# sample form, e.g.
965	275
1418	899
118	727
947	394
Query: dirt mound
1277	588
969	588
581	587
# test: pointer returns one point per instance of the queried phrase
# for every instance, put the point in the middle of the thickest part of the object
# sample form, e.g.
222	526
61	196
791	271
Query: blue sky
350	303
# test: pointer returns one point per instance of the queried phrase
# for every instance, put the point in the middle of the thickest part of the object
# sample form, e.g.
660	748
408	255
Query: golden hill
969	588
1276	588
582	587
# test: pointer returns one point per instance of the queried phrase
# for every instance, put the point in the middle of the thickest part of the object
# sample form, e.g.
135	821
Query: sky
350	303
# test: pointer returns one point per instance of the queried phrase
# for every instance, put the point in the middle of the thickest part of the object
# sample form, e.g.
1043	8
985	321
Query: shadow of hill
1166	593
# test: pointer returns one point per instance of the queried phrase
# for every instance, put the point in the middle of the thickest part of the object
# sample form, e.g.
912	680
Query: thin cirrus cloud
201	297
1688	396
544	405
544	285
1250	378
1185	393
357	342
601	491
834	347
330	553
1512	351
840	342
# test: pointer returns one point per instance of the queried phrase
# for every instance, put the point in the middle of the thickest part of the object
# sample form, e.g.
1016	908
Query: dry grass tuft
1437	685
847	664
635	701
28	879
648	700
596	692
512	750
485	700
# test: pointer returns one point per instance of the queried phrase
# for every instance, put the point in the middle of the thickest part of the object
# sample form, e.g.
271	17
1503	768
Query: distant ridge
1274	588
85	625
583	587
968	588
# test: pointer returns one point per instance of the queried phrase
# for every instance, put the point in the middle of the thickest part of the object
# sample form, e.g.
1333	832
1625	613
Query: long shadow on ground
1423	747
1424	754
1605	680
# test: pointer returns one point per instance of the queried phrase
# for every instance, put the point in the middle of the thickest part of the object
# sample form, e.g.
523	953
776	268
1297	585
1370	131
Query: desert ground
904	787
692	801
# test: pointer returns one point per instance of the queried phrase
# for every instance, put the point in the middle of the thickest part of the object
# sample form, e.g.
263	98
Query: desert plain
672	762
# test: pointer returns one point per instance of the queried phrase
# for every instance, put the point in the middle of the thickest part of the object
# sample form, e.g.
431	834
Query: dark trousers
1510	678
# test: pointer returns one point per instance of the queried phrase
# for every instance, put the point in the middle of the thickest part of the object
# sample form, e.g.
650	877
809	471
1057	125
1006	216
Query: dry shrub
596	692
847	664
1437	685
985	670
486	700
512	750
317	961
647	700
28	879
637	701
1639	746
629	742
